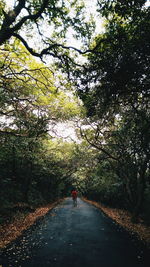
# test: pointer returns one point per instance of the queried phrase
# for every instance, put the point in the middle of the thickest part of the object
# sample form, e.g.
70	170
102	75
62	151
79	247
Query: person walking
74	197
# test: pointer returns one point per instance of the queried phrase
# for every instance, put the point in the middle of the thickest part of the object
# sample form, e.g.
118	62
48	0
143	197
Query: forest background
63	63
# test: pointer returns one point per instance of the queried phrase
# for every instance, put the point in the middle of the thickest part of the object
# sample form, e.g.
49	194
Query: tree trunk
140	192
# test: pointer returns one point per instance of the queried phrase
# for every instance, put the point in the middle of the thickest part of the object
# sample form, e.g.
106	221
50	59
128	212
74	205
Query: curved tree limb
100	148
7	31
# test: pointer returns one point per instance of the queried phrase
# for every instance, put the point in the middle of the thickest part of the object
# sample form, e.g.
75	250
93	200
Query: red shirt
74	194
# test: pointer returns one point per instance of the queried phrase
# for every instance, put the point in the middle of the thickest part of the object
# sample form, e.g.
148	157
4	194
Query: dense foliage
35	168
111	158
116	94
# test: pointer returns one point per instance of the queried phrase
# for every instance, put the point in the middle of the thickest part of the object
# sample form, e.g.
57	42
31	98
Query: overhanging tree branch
100	148
7	31
32	52
13	23
47	51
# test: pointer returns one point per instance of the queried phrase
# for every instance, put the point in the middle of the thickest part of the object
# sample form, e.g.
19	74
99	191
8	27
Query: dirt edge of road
9	232
123	218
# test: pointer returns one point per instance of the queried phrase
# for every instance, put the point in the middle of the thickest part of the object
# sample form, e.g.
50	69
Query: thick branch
31	17
7	31
12	15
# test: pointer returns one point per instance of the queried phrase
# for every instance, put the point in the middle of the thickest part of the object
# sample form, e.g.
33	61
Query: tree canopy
115	90
47	21
44	81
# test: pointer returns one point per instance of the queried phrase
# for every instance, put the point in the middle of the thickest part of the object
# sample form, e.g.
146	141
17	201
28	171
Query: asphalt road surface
79	236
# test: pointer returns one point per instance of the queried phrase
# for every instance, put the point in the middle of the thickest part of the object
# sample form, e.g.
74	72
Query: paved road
79	236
